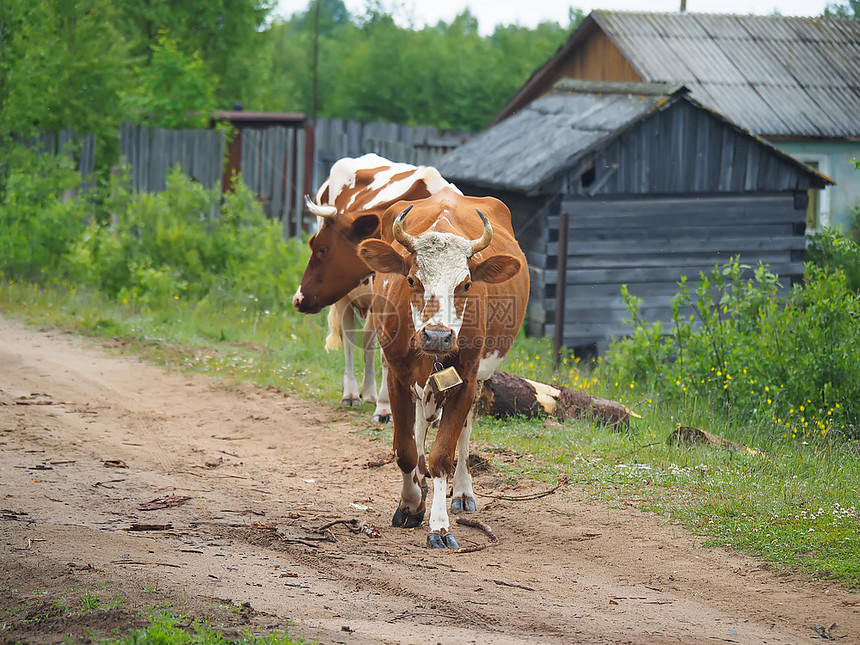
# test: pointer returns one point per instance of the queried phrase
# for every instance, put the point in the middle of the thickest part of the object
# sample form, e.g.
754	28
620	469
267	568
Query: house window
818	209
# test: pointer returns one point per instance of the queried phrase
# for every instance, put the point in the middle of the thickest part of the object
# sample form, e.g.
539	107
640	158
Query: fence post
560	288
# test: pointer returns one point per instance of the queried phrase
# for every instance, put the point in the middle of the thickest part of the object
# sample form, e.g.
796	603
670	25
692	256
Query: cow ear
365	226
381	257
496	269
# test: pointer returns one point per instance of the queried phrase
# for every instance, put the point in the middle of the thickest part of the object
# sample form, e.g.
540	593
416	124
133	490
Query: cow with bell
449	296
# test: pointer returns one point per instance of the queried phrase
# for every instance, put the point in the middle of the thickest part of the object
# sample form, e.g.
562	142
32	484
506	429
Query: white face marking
297	299
442	260
440	221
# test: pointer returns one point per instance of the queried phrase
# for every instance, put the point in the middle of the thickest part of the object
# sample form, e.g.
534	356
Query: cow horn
319	210
399	234
484	241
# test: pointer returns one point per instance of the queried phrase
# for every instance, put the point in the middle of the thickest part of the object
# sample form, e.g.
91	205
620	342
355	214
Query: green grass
168	629
793	504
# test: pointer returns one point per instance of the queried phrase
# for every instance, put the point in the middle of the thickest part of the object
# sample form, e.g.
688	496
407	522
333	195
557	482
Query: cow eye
322	250
410	281
467	286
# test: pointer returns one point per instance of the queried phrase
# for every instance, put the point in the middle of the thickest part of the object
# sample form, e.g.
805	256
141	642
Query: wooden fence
153	152
272	160
418	145
272	163
81	149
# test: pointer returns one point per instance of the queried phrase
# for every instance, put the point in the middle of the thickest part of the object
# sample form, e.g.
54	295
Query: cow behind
450	290
349	206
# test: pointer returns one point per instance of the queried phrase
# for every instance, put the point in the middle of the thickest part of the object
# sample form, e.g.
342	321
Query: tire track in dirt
566	571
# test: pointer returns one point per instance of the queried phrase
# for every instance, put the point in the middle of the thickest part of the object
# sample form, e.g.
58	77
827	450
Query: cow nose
437	340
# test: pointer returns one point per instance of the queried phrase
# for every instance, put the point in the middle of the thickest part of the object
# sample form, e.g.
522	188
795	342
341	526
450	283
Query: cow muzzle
437	340
305	305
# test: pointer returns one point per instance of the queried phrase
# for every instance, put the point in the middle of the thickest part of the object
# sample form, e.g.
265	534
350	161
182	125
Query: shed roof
525	152
776	76
240	118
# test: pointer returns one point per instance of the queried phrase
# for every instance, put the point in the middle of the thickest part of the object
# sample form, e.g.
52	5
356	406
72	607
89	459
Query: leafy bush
832	249
38	217
792	361
180	244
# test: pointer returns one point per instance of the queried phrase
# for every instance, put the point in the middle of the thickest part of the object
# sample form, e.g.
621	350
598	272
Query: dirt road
261	469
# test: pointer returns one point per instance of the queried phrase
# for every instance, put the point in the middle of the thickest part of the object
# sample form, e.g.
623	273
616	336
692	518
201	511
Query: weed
167	629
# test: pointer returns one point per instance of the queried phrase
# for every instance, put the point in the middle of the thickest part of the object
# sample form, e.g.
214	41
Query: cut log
506	395
689	436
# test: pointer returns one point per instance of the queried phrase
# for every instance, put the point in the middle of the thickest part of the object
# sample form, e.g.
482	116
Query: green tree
225	35
844	9
62	66
370	68
173	91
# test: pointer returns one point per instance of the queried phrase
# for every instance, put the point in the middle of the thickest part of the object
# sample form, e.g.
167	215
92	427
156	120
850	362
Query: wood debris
379	462
686	435
354	525
164	502
505	395
494	540
150	527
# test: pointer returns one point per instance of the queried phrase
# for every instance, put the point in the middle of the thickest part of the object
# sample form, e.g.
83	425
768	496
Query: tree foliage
369	67
62	65
843	9
173	90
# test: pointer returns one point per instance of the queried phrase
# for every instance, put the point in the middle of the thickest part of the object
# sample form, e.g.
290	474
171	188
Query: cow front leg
440	536
410	510
455	416
463	499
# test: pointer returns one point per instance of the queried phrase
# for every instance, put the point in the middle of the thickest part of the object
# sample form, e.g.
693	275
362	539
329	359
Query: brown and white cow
348	206
450	290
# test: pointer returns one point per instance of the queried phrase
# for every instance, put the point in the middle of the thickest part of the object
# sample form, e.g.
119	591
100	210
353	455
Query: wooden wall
649	243
687	149
597	59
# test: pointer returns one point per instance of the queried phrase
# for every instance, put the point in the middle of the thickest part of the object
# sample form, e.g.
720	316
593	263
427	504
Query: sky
528	13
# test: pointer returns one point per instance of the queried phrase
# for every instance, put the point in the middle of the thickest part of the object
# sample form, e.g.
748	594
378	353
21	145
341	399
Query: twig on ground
510	584
354	525
494	540
411	614
379	462
160	564
524	498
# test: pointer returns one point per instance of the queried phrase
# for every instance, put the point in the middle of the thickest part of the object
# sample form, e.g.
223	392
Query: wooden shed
793	81
655	186
274	153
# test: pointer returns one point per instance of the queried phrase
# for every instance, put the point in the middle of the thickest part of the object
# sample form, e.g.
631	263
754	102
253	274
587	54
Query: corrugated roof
529	149
774	75
552	134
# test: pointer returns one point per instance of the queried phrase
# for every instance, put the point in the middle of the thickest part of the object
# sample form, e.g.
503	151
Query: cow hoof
349	402
439	541
381	418
463	505
405	520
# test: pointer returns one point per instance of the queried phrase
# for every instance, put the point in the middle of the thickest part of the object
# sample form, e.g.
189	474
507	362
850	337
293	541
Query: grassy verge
792	504
167	629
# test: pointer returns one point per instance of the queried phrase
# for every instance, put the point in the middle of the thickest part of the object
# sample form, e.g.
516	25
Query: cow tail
335	327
